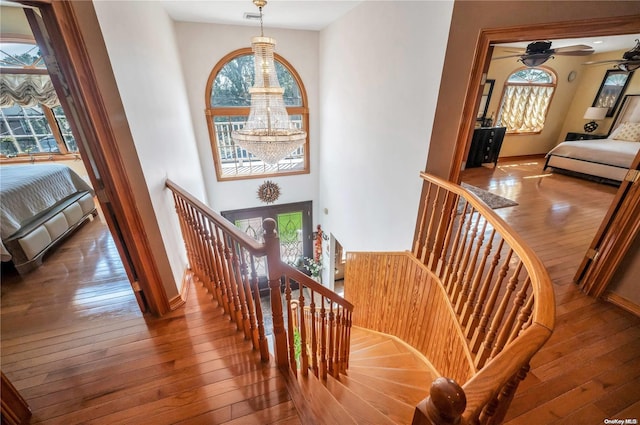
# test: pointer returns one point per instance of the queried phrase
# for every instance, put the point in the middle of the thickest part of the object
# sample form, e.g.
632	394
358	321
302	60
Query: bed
609	159
40	204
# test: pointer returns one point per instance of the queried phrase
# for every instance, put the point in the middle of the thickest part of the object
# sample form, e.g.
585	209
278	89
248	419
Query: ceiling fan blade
603	62
575	53
508	56
576	47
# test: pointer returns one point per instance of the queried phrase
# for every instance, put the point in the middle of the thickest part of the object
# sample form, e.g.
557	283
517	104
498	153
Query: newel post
444	406
272	245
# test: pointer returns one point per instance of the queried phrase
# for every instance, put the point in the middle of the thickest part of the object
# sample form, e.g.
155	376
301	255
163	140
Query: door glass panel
290	233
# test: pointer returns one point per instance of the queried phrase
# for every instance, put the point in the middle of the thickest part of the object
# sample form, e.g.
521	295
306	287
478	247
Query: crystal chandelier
268	134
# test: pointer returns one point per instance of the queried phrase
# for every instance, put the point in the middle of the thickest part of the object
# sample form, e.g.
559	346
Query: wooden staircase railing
471	296
227	260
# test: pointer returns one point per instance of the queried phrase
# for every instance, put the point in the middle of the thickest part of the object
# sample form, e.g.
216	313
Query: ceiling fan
539	52
630	59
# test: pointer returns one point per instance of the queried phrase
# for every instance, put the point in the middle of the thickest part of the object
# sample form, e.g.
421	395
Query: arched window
227	108
31	118
525	100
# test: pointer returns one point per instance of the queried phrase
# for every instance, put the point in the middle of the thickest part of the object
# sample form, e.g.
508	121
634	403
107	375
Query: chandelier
268	134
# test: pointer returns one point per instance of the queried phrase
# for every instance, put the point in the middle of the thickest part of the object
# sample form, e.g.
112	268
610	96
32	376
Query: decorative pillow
629	131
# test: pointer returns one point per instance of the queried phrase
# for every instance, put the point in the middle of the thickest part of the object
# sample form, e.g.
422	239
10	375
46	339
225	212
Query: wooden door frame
622	221
104	160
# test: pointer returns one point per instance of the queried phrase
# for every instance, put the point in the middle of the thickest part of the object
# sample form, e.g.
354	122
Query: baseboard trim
180	299
622	302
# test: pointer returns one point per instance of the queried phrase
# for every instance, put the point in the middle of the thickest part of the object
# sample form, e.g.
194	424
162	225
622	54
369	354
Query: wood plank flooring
76	346
589	370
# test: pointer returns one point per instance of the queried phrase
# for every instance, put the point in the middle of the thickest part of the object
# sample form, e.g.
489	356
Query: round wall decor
572	76
268	192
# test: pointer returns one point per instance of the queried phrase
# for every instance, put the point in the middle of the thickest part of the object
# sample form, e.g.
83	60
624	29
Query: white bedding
27	190
618	153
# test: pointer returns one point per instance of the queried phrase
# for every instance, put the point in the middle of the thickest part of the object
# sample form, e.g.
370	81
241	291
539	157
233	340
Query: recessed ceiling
300	14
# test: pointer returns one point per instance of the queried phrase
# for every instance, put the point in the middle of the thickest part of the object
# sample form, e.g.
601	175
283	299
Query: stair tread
398	411
322	402
406	393
380	348
400	360
415	377
357	407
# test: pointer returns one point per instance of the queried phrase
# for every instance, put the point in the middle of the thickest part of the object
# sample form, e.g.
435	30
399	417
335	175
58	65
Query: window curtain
524	108
27	91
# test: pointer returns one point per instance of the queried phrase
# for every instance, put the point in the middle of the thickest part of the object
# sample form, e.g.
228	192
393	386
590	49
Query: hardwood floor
589	370
77	347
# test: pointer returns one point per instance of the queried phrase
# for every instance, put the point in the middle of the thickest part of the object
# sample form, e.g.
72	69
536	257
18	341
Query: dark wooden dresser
485	146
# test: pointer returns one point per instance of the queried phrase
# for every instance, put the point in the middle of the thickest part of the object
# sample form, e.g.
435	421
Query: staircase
385	380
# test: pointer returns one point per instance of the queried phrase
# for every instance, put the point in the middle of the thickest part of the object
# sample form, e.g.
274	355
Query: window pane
231	86
20	55
531	76
65	129
236	161
29	128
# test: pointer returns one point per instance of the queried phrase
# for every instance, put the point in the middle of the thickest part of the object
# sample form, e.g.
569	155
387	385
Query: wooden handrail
226	261
251	244
544	314
480	302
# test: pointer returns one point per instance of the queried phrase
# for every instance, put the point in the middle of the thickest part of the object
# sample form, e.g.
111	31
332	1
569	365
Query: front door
293	224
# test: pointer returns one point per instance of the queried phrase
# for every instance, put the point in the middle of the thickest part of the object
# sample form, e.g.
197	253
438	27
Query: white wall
380	69
141	44
201	46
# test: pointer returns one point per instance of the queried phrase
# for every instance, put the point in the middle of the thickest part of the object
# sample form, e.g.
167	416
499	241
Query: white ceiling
298	14
315	15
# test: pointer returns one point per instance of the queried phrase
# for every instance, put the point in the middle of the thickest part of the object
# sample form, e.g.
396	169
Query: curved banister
544	313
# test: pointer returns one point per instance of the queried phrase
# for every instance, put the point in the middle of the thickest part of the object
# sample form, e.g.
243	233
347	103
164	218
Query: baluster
331	336
507	327
496	410
523	319
244	272
262	339
242	298
454	250
486	346
314	340
272	245
443	221
445	245
423	219
338	340
230	276
226	293
484	290
480	330
211	261
444	406
473	292
206	254
452	285
469	265
183	228
195	264
303	334
290	327
426	251
197	233
347	340
195	225
323	338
